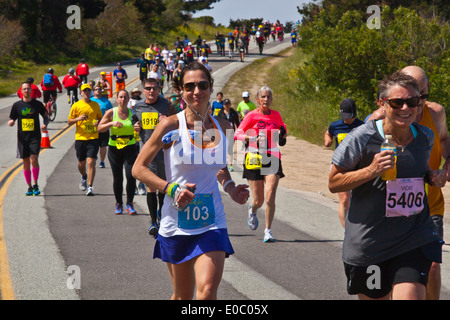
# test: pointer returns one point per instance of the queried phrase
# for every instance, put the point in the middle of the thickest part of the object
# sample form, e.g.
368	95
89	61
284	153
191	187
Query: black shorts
26	148
377	280
270	165
47	94
103	138
86	149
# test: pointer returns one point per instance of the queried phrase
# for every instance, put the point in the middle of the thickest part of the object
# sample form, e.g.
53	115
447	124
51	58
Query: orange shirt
435	196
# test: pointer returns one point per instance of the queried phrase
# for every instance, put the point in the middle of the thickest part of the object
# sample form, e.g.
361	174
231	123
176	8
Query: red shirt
70	81
35	92
82	69
56	84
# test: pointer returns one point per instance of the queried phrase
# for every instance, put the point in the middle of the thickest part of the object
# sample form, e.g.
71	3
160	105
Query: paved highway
64	245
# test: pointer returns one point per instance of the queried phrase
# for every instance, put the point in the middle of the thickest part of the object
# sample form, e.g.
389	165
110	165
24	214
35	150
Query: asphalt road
64	245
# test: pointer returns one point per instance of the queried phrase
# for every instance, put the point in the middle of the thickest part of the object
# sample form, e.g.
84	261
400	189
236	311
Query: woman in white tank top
193	235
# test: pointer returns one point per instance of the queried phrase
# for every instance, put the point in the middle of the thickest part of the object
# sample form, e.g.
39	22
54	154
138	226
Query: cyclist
35	92
83	71
49	84
71	83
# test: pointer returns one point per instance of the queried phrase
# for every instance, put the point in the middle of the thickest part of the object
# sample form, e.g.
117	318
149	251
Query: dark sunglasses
151	88
398	103
424	96
190	86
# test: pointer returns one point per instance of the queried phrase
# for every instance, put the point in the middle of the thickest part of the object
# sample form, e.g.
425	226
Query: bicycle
72	98
51	109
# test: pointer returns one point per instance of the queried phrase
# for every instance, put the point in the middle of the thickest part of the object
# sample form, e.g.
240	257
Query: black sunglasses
190	86
424	96
151	88
398	103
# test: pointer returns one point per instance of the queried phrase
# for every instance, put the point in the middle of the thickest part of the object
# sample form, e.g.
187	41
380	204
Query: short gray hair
262	89
398	78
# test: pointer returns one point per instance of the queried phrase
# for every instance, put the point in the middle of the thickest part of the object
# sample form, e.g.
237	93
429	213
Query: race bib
253	161
89	126
27	124
404	197
341	137
198	213
149	120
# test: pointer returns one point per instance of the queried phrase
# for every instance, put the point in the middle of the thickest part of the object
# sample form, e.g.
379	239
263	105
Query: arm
328	139
106	122
341	180
440	120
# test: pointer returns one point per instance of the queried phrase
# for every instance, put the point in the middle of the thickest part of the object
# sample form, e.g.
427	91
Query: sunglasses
151	88
190	86
424	96
398	103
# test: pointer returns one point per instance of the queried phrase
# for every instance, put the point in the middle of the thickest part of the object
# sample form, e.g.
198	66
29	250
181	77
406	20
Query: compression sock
27	174
152	206
161	200
35	172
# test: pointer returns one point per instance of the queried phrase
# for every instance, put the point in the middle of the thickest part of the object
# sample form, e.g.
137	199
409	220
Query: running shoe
83	184
36	190
119	208
268	236
230	168
102	164
153	230
252	220
130	208
29	191
90	191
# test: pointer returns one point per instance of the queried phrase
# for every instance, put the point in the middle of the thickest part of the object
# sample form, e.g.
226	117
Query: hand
382	162
185	196
82	117
117	124
438	178
137	127
43	127
239	193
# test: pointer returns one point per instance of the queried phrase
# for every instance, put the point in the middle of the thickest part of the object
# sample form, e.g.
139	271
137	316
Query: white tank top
187	163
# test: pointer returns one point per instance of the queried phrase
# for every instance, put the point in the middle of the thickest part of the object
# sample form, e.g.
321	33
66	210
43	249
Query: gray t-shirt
370	236
147	115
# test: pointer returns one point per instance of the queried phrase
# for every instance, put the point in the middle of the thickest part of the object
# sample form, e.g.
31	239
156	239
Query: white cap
245	94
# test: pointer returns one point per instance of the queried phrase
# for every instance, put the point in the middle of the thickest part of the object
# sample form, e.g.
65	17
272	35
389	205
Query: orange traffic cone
45	141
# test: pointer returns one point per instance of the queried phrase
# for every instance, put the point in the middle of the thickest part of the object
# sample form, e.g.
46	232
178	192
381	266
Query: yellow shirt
435	196
149	53
85	129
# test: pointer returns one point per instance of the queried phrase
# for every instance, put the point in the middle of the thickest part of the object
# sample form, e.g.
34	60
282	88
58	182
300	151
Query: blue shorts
179	249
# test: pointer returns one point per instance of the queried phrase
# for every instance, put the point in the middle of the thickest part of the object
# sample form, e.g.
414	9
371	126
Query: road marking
252	284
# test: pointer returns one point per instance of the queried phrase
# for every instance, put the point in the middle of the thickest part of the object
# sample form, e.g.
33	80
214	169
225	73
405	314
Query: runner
148	113
143	65
71	83
103	137
170	68
120	75
217	105
388	229
26	112
104	84
122	151
241	46
194	252
339	130
431	115
231	40
245	106
86	114
189	52
229	114
260	130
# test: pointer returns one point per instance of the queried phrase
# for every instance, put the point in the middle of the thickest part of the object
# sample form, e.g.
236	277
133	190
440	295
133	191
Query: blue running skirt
179	249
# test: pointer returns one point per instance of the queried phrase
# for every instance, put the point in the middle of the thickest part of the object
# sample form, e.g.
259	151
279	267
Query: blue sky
272	10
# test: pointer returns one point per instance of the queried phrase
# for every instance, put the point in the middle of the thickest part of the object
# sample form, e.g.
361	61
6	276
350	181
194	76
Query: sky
272	10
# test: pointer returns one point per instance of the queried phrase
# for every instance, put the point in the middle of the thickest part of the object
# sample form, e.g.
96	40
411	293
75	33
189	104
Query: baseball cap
348	109
103	73
226	101
245	94
85	86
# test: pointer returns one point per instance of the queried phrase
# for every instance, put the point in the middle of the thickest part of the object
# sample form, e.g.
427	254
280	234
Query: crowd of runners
177	150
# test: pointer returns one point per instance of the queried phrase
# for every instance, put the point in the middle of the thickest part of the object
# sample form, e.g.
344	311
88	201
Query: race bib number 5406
404	197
